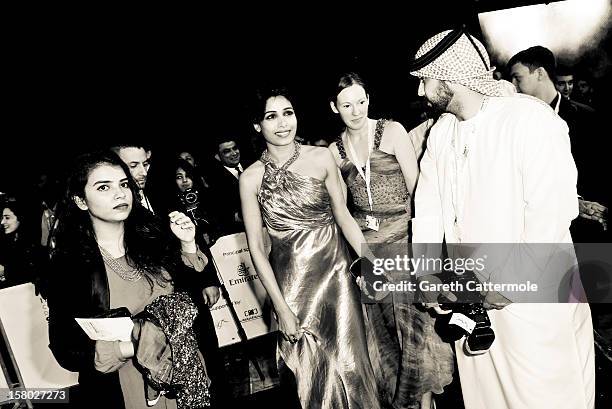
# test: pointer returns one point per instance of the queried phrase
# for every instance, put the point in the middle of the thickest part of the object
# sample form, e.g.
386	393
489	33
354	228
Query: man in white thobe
498	169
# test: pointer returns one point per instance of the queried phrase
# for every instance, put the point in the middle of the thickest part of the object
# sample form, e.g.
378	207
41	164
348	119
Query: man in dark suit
533	71
224	175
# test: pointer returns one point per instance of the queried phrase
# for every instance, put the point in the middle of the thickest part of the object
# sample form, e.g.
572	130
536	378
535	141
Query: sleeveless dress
408	357
310	261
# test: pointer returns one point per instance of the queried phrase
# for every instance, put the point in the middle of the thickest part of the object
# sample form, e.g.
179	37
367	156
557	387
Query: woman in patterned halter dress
409	359
296	192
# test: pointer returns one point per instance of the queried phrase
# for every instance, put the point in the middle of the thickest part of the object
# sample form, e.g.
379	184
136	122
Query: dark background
179	78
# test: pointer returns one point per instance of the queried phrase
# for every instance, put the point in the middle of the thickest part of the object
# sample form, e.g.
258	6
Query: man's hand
593	211
495	301
210	295
430	298
437	308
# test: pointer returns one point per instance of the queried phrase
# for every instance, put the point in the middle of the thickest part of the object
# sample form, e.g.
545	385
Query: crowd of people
494	161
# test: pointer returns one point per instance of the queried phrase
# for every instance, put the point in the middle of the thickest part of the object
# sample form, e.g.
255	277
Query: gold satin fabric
310	260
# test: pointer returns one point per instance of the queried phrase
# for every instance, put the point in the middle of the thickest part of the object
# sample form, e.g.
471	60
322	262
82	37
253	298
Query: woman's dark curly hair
147	245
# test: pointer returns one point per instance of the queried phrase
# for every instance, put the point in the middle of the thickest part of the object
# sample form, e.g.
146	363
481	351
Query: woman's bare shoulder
318	154
395	128
253	174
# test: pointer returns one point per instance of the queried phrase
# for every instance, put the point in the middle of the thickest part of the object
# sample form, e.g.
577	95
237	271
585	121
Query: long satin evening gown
310	261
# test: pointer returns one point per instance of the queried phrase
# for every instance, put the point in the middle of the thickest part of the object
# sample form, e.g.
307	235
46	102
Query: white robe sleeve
427	225
549	180
418	135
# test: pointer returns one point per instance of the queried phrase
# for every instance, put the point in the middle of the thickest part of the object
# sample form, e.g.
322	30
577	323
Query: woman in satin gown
411	366
296	192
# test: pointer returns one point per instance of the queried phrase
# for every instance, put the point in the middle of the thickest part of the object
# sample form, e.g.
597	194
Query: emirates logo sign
243	270
244	274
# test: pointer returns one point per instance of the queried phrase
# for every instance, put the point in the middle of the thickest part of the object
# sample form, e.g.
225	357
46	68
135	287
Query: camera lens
191	197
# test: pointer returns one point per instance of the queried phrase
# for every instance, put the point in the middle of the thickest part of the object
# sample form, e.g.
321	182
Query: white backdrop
24	316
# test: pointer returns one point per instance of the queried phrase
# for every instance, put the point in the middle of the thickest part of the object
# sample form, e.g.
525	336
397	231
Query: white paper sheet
107	329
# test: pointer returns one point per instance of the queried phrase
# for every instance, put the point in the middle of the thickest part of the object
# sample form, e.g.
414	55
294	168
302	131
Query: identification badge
372	222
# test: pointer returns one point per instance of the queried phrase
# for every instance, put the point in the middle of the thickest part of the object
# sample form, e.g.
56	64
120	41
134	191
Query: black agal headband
450	39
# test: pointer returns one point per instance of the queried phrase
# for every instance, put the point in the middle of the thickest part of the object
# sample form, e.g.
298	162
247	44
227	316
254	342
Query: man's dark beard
440	101
431	110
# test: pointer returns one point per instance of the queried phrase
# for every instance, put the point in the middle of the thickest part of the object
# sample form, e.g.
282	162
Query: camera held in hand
469	318
190	200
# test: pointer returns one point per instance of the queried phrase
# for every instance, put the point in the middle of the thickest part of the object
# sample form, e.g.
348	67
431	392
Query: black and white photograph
307	206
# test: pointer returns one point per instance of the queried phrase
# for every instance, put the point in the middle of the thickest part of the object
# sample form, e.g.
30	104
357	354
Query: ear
257	128
332	105
542	75
217	157
80	203
453	86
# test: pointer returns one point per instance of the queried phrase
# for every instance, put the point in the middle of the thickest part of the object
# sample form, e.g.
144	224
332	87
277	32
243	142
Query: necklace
128	275
265	156
275	177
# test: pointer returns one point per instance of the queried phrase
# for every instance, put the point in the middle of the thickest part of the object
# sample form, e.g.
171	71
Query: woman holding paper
379	165
113	253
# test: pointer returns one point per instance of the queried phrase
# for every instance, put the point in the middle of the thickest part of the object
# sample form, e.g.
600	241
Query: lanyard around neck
365	175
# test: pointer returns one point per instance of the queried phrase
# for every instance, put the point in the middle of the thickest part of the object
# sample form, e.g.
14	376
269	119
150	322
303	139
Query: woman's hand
210	295
182	227
373	295
109	356
289	325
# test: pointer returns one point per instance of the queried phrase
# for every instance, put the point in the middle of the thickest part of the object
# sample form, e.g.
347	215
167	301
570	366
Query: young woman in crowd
111	253
192	197
22	259
198	169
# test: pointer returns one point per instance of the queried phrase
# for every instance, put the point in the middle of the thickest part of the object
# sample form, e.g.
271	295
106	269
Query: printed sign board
235	267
